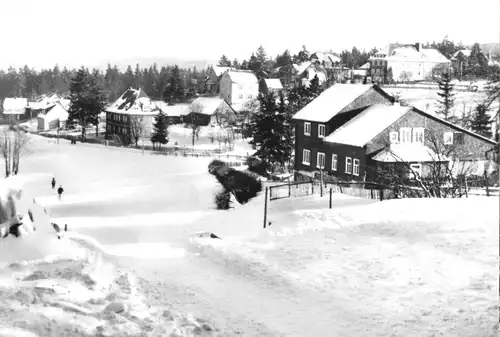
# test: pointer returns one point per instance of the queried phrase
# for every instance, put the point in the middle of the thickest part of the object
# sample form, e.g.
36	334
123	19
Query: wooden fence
305	188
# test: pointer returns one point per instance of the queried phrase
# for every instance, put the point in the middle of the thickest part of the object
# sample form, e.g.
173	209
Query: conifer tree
481	122
272	131
160	130
446	103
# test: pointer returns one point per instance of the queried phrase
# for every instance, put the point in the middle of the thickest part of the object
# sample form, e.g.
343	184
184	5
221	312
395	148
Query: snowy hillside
365	268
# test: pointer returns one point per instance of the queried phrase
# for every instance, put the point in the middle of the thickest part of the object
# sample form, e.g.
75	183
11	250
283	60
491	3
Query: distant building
14	107
238	88
212	111
407	62
270	85
134	112
213	77
328	60
52	117
307	70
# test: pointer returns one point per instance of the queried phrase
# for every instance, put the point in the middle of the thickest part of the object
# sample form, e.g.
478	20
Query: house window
348	164
321	130
393	137
405	135
307	128
250	96
458	138
417	168
334	162
448	138
418	135
355	167
320	160
306	157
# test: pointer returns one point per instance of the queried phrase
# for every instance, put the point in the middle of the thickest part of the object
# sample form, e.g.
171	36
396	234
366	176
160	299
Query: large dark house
352	131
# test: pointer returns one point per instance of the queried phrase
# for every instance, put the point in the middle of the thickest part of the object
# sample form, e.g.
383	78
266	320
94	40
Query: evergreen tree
87	100
445	104
302	56
173	91
272	131
314	89
236	64
224	61
160	130
481	122
127	79
476	63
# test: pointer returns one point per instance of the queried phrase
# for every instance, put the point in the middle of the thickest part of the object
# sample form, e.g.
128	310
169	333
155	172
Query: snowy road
286	284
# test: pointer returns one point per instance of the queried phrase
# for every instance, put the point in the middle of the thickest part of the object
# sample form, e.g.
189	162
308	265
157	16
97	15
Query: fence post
340	186
321	182
312	187
330	198
466	188
289	189
371	192
381	194
459	188
265	208
486	183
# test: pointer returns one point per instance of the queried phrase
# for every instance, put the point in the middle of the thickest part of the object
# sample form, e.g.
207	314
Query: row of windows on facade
118	129
378	62
118	117
404	135
351	164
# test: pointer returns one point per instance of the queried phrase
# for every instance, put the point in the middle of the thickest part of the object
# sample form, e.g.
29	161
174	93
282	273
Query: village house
175	113
213	111
306	71
461	58
407	62
270	85
328	60
133	114
52	117
213	77
352	131
14	107
238	88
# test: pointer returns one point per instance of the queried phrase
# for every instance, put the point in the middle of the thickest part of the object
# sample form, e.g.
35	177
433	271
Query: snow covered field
365	268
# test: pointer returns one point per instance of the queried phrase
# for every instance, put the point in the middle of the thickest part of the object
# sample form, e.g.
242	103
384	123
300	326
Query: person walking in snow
53	183
60	191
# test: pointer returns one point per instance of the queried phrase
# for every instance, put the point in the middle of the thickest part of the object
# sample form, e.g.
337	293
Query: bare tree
136	129
443	170
14	144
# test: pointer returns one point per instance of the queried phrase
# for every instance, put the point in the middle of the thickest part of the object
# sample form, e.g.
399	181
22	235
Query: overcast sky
41	33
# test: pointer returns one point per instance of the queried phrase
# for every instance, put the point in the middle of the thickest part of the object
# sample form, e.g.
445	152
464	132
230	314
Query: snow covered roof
273	83
300	68
330	102
173	110
410	53
14	105
220	70
326	56
57	111
206	105
134	102
365	66
367	125
408	152
464	52
242	77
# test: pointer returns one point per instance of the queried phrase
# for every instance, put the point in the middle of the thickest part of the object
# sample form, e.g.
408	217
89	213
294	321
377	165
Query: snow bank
418	266
74	285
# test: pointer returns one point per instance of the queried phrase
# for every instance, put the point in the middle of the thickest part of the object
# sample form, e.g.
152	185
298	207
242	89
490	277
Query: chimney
417	45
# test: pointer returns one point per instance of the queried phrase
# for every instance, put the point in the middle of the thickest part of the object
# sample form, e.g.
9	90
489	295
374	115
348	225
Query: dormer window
321	130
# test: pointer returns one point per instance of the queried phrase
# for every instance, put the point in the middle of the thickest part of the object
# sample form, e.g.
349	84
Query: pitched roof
176	110
464	52
14	105
408	152
242	77
365	66
273	83
133	101
206	105
331	101
326	56
220	70
367	125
